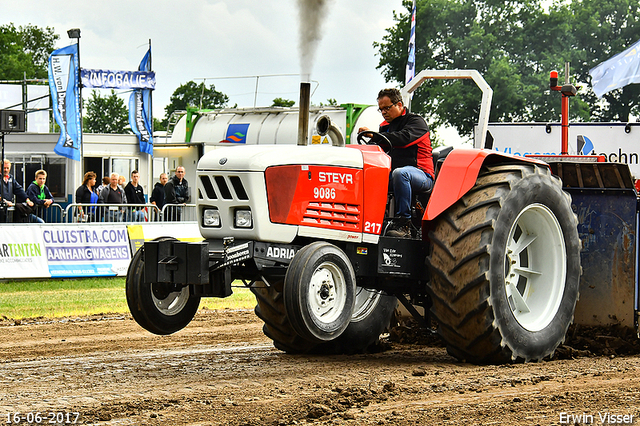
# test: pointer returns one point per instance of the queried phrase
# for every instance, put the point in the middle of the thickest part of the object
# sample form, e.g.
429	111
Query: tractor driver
411	160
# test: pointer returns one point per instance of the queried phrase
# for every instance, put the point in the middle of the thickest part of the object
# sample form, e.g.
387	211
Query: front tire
319	292
158	307
371	315
505	266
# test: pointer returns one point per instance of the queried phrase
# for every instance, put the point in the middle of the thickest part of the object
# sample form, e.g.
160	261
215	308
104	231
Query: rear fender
459	173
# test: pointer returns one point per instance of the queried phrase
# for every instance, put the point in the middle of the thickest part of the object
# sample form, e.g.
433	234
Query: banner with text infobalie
140	118
63	84
124	80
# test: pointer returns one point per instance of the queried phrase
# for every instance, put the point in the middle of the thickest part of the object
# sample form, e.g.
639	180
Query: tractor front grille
219	187
335	215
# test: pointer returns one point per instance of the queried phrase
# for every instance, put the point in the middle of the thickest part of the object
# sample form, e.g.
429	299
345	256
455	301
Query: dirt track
222	370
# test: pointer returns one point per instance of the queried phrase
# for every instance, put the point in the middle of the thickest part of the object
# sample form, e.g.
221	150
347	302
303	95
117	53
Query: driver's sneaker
400	228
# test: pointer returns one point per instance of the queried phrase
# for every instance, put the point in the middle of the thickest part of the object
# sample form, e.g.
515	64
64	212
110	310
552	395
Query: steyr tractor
496	258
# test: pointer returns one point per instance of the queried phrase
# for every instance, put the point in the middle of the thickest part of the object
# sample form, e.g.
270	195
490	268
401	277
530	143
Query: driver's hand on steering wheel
364	129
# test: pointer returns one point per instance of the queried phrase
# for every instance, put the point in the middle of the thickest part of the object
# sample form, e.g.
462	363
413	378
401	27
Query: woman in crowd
87	194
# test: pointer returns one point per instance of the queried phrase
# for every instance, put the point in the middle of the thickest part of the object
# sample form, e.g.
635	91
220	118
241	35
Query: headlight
211	217
243	219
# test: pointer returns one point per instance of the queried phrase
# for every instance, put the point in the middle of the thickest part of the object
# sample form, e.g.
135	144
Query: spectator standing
87	194
9	188
105	182
135	195
39	193
114	194
157	196
122	182
176	191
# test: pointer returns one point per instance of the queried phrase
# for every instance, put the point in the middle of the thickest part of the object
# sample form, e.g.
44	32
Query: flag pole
410	70
150	96
75	34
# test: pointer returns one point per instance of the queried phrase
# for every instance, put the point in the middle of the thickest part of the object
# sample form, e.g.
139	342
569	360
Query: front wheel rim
171	303
327	293
535	267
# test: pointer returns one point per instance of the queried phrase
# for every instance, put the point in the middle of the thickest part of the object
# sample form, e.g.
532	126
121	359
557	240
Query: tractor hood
259	158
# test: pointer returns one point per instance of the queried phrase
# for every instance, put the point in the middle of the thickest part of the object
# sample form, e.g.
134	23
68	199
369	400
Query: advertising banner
610	140
140	118
22	253
90	250
107	79
63	84
138	234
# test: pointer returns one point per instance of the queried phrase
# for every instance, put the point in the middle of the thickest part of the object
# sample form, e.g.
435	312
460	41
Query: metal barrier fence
51	214
179	212
88	213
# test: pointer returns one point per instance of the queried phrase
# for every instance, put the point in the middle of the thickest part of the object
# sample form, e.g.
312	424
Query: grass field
78	297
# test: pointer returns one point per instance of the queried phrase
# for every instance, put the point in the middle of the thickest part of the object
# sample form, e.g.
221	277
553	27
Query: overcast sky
196	39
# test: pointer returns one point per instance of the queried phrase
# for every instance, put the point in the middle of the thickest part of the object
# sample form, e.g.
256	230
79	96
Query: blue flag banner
140	118
617	72
63	84
410	72
106	79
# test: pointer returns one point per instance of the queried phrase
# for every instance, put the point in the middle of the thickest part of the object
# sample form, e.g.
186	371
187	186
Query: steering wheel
374	138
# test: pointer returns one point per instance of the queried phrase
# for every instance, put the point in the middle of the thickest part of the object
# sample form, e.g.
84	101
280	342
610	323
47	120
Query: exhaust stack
303	117
324	126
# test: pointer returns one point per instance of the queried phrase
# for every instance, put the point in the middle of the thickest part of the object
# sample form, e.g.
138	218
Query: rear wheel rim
327	293
365	302
535	267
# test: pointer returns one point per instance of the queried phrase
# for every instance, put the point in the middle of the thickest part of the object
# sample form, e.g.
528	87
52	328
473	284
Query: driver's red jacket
409	135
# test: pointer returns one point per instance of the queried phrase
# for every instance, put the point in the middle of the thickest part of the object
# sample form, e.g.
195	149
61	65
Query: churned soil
222	370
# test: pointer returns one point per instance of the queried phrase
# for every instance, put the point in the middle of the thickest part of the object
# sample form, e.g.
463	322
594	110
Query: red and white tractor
496	258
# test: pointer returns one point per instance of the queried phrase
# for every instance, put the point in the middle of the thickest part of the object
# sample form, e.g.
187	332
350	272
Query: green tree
192	95
158	125
514	45
107	114
600	30
281	102
25	50
330	102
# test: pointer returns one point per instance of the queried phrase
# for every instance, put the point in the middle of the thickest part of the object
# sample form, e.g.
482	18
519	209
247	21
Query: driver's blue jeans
404	181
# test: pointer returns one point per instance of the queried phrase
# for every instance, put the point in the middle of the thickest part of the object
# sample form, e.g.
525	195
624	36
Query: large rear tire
277	327
505	267
372	314
158	307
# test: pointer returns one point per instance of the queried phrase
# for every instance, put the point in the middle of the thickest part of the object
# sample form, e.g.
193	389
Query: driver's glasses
386	108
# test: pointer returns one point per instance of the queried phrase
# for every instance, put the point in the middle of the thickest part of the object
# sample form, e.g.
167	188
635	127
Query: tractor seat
438	155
